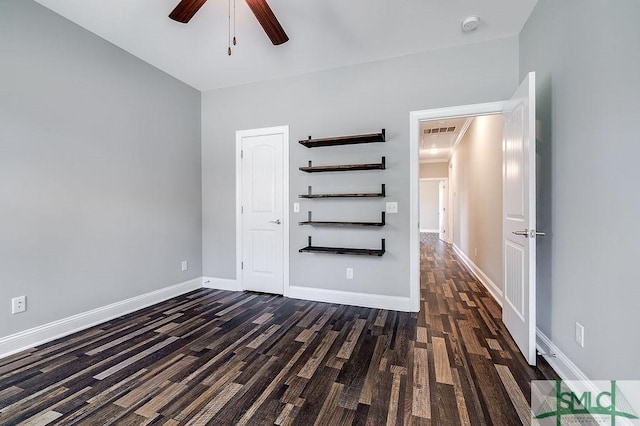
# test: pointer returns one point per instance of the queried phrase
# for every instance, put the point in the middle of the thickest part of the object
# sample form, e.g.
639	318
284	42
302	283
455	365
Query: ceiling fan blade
185	10
268	20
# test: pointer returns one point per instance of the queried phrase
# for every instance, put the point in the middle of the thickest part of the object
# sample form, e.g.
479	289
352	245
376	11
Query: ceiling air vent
439	130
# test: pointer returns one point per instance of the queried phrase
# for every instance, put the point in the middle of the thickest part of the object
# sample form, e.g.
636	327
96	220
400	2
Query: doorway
416	117
434	206
518	216
262	218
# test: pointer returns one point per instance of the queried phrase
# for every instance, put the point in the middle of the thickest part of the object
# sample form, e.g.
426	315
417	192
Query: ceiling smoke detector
470	24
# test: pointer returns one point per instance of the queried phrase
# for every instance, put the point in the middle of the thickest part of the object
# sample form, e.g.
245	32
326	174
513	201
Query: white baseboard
564	367
45	333
220	284
378	301
480	275
431	231
560	362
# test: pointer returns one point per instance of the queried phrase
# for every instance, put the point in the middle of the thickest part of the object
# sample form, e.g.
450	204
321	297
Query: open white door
263	209
519	218
441	209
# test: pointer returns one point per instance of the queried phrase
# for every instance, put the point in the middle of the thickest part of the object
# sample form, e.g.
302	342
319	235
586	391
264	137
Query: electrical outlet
475	252
185	265
349	273
580	334
296	207
392	207
18	304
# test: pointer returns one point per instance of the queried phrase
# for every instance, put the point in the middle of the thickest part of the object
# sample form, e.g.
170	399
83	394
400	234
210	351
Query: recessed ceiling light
470	24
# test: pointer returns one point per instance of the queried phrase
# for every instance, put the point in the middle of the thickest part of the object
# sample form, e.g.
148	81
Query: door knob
277	221
524	233
529	233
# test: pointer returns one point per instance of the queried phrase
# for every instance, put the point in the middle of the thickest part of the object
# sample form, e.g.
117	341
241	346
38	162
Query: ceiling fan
186	9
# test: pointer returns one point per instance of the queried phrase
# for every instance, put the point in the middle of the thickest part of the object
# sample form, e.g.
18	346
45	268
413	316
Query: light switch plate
392	207
296	207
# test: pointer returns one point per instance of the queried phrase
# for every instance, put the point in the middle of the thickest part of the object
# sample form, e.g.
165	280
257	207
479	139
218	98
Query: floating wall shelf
380	194
345	167
355	224
343	250
344	140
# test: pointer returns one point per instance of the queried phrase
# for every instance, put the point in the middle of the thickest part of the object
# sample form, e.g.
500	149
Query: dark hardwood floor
221	358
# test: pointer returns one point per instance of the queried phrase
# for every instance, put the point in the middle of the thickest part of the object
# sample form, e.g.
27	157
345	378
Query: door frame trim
284	130
415	117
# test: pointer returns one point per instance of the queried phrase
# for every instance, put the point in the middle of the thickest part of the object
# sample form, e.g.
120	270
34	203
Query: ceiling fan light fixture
470	24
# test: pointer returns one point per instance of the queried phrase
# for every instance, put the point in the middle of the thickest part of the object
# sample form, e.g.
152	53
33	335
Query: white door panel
262	206
519	218
515	256
441	210
261	259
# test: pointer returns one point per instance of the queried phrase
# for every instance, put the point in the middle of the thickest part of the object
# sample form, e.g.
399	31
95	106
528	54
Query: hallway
475	358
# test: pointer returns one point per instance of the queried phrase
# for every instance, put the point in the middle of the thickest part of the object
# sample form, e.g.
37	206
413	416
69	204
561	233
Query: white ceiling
323	34
437	147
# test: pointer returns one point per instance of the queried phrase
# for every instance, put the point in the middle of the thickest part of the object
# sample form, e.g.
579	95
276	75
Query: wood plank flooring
222	358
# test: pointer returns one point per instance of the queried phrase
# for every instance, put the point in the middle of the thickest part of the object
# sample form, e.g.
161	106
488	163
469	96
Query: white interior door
263	210
519	218
441	209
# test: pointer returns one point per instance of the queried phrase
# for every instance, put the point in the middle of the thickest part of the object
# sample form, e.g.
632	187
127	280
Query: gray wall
99	171
355	99
476	186
586	58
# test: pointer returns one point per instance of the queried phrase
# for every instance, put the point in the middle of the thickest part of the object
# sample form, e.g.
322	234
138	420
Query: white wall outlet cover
185	265
349	273
580	334
392	207
296	207
18	304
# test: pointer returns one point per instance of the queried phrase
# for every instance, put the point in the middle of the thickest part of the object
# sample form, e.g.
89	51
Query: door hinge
241	209
241	153
242	265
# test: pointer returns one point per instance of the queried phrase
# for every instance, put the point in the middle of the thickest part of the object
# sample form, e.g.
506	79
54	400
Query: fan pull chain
229	22
234	22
